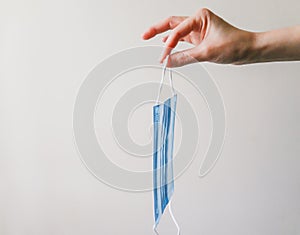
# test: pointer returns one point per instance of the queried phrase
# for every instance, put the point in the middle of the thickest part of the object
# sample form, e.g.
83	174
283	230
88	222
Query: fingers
164	39
167	51
165	25
183	29
185	57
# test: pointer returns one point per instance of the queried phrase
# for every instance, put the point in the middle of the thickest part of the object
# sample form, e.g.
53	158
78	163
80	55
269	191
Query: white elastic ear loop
162	79
173	218
171	81
161	83
155	231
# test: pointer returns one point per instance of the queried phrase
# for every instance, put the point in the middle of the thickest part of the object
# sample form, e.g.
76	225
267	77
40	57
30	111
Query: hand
214	39
217	41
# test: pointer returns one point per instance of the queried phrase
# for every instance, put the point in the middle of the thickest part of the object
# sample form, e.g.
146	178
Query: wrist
264	48
277	45
258	49
250	48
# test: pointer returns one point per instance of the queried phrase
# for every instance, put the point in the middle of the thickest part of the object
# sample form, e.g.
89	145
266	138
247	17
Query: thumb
185	57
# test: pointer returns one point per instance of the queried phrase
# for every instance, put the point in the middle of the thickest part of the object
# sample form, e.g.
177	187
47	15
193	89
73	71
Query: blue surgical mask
163	141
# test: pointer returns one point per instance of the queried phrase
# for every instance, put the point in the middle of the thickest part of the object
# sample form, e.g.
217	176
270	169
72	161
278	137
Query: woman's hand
217	41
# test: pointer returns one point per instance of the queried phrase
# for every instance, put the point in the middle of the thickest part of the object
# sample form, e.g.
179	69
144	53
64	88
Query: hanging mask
163	140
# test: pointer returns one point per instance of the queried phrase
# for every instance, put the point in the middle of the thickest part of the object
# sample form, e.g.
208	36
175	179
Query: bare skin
217	41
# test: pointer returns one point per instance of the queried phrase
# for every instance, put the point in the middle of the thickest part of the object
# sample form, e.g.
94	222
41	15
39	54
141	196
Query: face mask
163	139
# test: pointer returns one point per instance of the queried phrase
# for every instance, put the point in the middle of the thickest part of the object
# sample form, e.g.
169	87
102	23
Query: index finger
183	29
164	25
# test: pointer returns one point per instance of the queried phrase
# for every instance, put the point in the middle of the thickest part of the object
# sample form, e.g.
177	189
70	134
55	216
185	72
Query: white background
47	49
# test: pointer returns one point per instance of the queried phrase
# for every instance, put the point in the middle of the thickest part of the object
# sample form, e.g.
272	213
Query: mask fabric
164	120
163	140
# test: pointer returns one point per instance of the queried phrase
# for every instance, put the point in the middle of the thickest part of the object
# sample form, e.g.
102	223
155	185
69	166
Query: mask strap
155	231
173	218
162	79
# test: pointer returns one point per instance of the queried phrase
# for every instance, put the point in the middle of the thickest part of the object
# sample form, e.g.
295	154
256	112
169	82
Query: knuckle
171	18
203	12
152	29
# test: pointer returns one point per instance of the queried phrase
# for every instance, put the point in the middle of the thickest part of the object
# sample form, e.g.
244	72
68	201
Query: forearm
276	45
215	40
